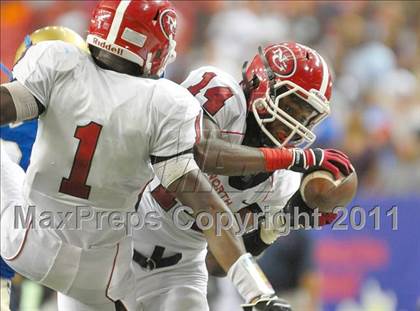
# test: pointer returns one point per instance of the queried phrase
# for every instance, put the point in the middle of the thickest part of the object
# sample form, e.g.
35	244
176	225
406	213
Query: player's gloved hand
326	218
307	160
297	207
272	303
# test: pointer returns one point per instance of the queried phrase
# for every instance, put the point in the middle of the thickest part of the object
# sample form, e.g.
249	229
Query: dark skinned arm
213	266
217	156
253	244
194	190
7	107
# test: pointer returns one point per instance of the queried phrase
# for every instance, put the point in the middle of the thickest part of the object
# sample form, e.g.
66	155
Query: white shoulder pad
220	96
176	119
57	55
171	96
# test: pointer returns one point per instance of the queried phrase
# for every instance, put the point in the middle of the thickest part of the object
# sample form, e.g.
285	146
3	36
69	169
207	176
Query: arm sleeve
296	206
253	243
41	66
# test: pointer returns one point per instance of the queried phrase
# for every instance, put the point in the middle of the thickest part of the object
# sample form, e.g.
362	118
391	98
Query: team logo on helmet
282	60
168	22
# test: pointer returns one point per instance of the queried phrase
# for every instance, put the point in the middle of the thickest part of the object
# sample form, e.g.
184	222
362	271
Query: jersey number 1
75	184
216	96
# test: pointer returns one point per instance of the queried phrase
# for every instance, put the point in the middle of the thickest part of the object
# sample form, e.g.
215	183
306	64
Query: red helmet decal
167	22
282	60
102	19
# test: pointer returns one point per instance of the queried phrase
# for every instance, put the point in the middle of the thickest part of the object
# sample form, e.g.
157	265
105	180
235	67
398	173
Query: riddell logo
108	47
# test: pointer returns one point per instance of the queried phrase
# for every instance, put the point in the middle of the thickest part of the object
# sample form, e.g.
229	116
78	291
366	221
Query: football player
17	139
106	126
284	93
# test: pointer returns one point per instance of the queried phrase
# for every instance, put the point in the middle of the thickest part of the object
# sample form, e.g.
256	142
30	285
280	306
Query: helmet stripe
116	22
325	76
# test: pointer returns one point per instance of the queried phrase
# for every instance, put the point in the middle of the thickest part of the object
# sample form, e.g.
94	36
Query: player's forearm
17	103
194	190
225	246
217	156
213	266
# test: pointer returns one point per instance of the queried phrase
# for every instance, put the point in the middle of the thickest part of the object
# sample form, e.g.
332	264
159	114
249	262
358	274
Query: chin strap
270	73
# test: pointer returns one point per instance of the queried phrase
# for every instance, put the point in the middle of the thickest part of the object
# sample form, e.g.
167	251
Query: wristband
25	103
249	279
276	159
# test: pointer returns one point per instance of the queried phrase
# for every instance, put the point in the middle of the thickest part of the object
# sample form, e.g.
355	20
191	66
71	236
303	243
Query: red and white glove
326	218
307	160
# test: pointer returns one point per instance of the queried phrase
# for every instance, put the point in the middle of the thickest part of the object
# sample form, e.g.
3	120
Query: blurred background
373	50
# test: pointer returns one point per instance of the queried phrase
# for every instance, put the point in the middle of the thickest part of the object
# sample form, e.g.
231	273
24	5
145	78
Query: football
320	190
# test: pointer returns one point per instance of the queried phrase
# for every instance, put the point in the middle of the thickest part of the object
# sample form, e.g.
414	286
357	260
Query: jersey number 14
216	96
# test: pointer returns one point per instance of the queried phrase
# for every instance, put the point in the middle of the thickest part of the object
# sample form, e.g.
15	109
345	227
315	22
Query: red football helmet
140	31
282	70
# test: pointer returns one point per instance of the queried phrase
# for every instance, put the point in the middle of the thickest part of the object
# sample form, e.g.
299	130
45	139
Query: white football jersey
223	100
99	129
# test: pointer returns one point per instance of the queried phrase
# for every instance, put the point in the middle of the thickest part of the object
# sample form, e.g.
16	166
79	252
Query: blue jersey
22	136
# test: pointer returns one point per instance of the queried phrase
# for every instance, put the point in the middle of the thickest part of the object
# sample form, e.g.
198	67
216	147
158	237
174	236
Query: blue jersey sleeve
23	136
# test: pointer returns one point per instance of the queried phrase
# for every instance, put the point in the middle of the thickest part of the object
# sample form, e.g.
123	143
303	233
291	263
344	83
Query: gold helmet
51	33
